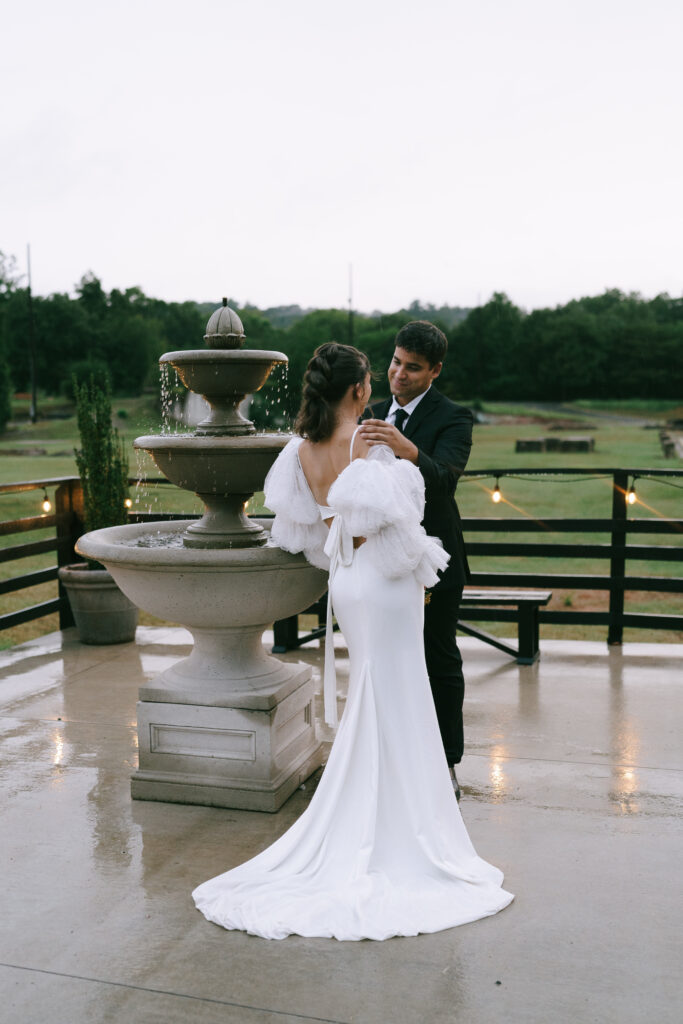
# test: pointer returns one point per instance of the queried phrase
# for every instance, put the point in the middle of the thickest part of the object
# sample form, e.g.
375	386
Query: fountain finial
224	329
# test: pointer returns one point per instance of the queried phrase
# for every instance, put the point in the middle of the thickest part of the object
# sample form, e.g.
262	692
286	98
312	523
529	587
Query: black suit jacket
442	433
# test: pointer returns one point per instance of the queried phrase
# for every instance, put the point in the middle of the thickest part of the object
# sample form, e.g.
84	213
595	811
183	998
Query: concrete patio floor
572	783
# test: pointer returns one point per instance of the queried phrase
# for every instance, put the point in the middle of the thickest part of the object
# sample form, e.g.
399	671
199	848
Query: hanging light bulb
47	504
128	502
496	496
631	493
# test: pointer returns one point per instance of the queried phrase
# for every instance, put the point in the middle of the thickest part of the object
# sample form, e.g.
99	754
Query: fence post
69	510
617	564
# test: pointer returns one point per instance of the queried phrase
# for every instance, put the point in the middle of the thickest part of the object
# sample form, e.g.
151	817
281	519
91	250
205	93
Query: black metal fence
65	524
616	551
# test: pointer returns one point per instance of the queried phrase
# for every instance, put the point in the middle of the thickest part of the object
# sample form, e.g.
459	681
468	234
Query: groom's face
410	374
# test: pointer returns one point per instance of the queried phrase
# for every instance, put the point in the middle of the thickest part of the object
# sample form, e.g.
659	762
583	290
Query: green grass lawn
44	451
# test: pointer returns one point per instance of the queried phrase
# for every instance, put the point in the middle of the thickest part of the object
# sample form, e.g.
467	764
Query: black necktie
400	418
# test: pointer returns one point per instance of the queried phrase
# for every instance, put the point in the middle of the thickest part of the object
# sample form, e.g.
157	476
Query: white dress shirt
409	408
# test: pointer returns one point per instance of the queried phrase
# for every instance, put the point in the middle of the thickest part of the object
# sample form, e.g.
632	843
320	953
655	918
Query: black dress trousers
444	666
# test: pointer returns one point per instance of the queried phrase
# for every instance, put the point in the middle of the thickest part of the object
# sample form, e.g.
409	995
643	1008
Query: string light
658	480
554	478
631	493
47	504
128	502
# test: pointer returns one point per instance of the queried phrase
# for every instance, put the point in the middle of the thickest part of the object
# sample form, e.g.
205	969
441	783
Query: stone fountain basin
219	373
204	589
214	465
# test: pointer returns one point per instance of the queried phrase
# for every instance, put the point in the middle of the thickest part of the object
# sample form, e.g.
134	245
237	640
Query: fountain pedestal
251	751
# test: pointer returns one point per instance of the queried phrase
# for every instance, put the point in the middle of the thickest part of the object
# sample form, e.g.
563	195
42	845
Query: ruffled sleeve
297	525
382	499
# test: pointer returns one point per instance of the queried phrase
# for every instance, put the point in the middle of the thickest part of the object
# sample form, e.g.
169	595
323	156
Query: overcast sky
256	148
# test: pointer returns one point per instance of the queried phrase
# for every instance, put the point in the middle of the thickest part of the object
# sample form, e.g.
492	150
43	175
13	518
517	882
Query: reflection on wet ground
572	783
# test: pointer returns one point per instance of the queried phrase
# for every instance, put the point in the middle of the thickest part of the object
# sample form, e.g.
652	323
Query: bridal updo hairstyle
331	371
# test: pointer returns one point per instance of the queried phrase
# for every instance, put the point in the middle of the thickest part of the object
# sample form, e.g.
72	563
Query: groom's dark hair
424	339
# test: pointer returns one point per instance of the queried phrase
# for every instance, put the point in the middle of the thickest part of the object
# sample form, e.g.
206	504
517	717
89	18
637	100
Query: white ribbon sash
339	550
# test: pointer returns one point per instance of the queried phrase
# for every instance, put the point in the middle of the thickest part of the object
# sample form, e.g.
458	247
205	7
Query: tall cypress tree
101	459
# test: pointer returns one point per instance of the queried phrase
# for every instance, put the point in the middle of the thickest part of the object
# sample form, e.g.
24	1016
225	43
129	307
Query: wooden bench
520	606
530	444
583	443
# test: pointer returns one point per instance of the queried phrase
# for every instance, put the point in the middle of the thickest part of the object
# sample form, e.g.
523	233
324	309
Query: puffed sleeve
297	525
381	498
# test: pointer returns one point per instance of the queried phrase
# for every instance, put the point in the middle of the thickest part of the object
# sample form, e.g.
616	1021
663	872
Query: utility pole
350	304
33	410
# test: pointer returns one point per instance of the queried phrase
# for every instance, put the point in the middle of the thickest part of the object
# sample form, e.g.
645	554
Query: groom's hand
381	432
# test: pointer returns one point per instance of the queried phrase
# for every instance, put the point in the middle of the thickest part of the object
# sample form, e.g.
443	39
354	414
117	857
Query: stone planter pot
103	614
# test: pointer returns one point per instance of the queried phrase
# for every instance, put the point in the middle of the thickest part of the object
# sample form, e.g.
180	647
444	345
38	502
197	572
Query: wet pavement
572	784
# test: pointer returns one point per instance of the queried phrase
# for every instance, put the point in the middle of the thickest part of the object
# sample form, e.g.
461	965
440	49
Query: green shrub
101	459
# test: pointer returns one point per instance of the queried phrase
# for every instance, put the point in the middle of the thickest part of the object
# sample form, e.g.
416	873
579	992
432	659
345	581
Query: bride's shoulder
286	465
286	491
360	449
381	453
381	478
290	451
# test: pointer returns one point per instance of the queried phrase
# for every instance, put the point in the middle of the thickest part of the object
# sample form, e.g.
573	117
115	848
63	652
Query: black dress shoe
456	786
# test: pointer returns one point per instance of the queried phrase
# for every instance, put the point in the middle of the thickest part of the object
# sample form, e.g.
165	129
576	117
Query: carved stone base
240	756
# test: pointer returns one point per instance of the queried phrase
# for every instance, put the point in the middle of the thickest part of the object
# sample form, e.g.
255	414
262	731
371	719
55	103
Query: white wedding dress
381	849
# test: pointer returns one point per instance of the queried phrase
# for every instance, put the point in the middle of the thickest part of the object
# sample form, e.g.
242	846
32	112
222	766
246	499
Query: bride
381	849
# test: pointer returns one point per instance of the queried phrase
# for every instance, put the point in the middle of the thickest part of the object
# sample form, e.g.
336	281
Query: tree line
613	345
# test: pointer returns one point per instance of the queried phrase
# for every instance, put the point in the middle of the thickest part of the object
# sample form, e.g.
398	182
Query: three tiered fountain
228	726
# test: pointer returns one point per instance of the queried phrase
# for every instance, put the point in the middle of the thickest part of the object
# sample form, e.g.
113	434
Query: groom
435	434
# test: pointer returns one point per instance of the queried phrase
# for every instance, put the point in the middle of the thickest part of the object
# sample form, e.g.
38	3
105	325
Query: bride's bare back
323	461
